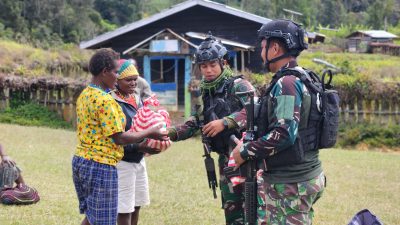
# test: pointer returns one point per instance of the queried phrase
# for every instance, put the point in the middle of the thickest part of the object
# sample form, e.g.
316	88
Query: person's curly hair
104	58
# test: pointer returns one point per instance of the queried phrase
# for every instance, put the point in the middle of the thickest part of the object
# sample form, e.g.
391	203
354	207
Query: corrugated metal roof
314	34
379	34
376	34
174	9
203	36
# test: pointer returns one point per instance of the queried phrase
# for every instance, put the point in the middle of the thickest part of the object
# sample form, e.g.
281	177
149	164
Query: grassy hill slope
27	61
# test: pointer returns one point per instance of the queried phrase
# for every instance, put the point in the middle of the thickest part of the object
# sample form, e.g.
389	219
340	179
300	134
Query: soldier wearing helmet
287	142
223	116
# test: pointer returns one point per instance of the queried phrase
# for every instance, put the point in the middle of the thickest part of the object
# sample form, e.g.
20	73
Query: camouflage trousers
232	197
280	204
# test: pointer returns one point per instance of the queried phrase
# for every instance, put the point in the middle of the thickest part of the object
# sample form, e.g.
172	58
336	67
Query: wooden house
164	44
314	37
360	41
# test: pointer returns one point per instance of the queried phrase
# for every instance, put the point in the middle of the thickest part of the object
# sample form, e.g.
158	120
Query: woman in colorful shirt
101	135
133	187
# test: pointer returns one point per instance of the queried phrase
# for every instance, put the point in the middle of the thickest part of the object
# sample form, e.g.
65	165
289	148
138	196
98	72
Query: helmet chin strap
268	62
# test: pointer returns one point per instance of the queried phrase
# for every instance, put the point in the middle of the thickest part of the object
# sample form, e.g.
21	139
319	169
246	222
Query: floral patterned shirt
98	117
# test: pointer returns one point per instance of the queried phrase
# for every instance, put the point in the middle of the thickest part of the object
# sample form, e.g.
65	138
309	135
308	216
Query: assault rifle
208	161
248	169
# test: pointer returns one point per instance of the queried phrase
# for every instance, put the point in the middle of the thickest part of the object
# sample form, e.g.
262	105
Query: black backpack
329	102
330	112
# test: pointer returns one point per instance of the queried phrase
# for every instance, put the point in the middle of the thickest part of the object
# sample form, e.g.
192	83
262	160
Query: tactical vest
217	105
310	128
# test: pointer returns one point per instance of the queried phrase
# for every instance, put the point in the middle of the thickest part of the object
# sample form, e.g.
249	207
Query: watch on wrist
225	122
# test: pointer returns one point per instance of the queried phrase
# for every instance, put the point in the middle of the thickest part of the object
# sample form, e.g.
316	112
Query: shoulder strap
308	77
230	83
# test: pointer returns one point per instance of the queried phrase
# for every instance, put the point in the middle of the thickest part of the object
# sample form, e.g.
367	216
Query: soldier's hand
172	134
236	155
213	128
157	133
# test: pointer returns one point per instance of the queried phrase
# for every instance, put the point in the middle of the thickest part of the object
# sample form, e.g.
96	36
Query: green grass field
179	191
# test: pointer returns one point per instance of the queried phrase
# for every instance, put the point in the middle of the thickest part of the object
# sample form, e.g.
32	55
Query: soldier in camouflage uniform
292	179
223	116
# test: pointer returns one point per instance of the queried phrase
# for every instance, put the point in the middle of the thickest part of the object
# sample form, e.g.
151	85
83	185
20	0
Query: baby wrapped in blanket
146	117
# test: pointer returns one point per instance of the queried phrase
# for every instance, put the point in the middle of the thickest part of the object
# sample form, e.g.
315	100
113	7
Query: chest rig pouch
319	117
218	105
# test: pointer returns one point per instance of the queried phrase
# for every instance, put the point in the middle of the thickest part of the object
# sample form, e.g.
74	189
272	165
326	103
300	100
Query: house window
162	70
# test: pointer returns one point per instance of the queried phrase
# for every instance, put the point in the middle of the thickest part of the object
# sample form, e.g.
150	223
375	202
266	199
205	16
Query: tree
379	12
10	16
118	12
332	13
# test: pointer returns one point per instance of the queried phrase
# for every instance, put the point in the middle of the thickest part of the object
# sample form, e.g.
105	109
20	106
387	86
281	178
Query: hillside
27	61
49	23
70	61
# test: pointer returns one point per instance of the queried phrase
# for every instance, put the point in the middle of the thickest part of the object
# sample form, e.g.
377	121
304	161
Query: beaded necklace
130	99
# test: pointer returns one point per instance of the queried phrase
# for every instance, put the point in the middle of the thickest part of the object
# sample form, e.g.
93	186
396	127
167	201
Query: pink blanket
146	118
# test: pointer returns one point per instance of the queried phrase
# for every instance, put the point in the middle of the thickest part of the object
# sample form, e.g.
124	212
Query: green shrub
373	135
31	114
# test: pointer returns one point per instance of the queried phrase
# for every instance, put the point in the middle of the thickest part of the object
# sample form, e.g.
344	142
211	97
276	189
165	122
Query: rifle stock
210	167
250	186
208	160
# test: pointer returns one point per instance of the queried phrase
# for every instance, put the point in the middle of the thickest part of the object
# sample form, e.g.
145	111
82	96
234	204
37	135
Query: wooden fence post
372	110
76	94
357	107
59	102
7	96
52	100
386	111
67	111
346	112
351	111
34	95
3	99
367	111
342	113
380	111
43	96
390	113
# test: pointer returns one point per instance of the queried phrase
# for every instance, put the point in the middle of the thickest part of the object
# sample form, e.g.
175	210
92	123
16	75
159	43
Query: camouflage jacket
285	98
